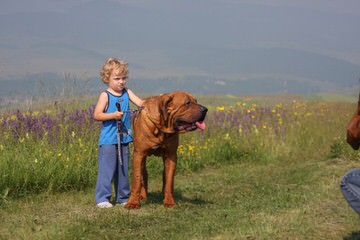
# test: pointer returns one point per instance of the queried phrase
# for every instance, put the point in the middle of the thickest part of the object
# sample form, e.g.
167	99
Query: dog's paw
129	205
169	203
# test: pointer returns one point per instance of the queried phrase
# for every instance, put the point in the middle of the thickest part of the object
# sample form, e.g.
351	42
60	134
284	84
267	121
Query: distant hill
279	64
223	71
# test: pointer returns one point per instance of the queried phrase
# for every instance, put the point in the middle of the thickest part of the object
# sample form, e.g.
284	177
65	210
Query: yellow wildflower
221	108
181	149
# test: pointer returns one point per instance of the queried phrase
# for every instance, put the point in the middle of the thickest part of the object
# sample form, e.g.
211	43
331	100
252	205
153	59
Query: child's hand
118	115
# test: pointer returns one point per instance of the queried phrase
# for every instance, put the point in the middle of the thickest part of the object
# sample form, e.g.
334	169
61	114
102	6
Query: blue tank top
108	133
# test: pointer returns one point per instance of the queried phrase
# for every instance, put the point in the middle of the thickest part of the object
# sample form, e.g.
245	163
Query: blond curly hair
113	64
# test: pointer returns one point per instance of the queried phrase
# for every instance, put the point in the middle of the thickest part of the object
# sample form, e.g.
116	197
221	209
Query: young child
114	73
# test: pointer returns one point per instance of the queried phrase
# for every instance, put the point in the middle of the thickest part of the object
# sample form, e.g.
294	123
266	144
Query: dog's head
176	112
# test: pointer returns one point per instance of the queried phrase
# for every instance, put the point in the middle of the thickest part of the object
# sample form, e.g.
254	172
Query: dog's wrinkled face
185	113
176	112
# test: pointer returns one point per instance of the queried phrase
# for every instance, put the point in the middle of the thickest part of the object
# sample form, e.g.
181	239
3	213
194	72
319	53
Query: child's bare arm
135	99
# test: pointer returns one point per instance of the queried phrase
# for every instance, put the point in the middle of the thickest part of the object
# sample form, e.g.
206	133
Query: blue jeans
110	170
350	187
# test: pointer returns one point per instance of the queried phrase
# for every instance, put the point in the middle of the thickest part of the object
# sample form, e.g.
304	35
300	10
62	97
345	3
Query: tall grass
55	150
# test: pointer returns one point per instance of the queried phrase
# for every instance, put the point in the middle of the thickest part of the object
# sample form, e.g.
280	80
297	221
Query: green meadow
266	167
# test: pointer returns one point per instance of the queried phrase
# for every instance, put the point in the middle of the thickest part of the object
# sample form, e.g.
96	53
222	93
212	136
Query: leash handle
118	106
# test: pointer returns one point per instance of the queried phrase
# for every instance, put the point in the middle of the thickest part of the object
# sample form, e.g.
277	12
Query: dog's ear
164	109
157	109
164	106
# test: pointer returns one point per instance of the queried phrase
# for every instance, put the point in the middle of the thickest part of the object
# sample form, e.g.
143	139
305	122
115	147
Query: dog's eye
188	103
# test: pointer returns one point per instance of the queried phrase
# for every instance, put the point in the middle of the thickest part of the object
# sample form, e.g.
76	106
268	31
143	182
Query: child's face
117	81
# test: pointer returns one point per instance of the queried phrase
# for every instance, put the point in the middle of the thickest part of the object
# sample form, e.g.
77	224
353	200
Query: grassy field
265	168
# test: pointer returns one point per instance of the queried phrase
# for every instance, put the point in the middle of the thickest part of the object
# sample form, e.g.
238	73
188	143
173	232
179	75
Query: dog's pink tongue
200	125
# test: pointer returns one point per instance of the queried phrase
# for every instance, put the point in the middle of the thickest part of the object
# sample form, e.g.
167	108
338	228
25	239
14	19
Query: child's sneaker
104	205
121	204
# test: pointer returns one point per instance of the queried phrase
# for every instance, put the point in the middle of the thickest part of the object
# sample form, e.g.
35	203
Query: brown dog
156	132
353	129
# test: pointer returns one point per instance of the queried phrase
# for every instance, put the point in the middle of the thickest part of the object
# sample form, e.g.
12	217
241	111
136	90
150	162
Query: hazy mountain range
208	47
221	71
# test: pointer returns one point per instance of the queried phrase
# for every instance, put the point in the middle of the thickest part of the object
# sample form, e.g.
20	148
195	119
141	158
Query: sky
78	36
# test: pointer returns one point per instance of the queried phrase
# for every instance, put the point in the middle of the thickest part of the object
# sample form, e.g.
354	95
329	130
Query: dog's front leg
168	179
144	182
137	179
